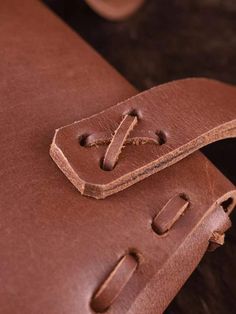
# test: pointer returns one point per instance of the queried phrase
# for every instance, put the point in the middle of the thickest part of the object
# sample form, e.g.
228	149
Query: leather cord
117	143
104	138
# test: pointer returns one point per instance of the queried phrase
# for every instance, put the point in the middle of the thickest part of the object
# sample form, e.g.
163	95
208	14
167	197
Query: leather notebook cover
130	252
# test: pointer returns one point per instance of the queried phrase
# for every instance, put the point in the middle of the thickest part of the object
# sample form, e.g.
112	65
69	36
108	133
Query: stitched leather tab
173	120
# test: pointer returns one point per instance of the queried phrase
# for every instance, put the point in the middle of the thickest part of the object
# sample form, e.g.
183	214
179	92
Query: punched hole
83	139
156	229
135	254
161	137
185	197
226	205
134	113
105	167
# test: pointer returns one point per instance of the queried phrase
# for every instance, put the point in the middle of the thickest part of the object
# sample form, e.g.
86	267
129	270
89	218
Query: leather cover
62	252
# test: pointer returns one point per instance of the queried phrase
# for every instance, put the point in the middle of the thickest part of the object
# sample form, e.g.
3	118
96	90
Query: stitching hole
104	167
134	113
184	197
83	140
161	137
227	204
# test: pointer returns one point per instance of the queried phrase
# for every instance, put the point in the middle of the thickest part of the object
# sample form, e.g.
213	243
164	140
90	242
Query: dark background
163	41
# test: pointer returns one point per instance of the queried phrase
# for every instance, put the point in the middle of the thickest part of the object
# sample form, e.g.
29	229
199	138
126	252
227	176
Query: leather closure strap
173	121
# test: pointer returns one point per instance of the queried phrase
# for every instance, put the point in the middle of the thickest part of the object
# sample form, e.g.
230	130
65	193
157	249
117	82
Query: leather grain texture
56	246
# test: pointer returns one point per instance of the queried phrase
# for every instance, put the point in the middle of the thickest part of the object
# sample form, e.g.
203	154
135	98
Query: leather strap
116	144
188	114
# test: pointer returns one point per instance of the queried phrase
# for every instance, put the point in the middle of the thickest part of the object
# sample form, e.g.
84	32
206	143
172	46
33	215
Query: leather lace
120	138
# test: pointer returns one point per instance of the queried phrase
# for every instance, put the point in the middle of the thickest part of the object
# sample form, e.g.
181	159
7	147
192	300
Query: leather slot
165	108
114	284
169	214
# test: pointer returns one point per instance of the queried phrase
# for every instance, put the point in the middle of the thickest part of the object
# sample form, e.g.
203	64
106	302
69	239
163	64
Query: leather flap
128	142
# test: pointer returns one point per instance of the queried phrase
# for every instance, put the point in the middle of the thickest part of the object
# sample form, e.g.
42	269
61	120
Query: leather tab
174	120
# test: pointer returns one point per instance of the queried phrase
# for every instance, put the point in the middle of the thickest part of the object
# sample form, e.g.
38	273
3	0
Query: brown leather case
63	252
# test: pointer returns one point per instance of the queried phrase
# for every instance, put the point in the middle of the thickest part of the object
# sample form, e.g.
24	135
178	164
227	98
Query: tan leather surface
57	247
115	9
189	112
